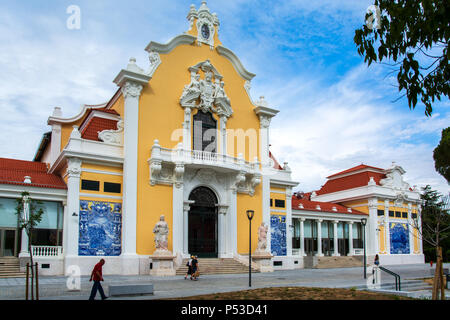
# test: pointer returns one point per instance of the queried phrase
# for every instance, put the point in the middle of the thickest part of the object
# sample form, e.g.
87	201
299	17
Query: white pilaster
222	236
387	233
187	129
223	135
289	221
73	211
178	219
131	80
186	208
371	227
410	229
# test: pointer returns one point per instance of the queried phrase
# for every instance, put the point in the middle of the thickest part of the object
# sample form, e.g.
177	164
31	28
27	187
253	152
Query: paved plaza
55	288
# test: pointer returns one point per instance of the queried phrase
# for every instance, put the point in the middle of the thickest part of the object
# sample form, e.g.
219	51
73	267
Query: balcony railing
180	155
47	251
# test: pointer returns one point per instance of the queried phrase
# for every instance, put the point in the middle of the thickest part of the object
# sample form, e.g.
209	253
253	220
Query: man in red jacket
97	276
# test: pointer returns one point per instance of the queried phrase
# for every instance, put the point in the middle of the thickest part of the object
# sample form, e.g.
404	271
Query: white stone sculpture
161	231
262	237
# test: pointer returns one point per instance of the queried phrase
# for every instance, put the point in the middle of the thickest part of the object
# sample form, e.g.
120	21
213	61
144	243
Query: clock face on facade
205	31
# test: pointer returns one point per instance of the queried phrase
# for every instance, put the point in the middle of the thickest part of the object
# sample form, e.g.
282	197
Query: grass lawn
297	293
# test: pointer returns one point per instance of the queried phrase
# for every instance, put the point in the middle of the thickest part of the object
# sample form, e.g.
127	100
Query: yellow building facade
182	139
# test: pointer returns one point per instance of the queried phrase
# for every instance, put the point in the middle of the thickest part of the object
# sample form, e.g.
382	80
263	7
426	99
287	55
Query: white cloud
329	129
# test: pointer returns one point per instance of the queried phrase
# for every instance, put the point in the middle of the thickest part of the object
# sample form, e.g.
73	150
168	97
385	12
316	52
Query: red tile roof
360	167
309	205
13	171
95	125
355	177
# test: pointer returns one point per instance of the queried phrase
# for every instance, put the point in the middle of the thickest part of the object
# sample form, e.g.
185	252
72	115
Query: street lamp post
250	214
363	222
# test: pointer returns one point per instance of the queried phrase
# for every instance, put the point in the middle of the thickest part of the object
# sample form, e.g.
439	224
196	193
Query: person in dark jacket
189	265
97	276
194	268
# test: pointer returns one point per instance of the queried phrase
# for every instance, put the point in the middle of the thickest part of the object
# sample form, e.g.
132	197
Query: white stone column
371	227
319	238
232	222
288	221
387	234
72	212
131	80
177	219
187	129
302	237
410	229
350	238
223	135
24	252
222	236
335	240
186	208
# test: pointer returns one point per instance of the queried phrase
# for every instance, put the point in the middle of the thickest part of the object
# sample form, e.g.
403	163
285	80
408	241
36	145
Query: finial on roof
57	112
132	66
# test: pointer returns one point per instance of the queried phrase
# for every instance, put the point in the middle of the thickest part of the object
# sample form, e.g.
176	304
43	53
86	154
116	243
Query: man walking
97	276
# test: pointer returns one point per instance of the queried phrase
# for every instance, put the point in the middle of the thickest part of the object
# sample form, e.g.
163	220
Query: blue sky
335	112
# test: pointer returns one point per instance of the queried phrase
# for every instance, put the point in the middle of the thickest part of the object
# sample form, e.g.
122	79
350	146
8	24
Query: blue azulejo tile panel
399	238
278	234
100	228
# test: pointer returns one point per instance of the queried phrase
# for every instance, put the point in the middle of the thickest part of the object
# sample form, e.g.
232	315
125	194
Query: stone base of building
393	259
263	261
162	263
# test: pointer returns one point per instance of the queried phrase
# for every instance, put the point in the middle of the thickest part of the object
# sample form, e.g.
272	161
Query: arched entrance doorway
202	222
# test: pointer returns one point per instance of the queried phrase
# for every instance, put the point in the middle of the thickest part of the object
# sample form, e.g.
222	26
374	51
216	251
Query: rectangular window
380	212
391	213
271	202
90	185
414	215
405	215
398	214
111	187
279	203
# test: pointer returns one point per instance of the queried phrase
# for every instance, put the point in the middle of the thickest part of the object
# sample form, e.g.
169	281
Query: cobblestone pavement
55	288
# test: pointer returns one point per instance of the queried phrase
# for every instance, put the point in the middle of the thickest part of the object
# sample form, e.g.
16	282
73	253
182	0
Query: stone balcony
167	166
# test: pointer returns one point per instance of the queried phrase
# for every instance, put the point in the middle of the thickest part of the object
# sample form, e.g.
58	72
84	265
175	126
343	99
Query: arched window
205	132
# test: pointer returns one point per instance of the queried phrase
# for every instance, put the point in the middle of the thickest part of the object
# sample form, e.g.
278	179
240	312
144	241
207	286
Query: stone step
216	266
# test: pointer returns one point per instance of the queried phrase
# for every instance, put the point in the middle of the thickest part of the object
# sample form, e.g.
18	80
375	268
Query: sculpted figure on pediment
192	90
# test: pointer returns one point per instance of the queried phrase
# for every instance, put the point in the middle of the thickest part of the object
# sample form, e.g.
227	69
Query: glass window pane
8	216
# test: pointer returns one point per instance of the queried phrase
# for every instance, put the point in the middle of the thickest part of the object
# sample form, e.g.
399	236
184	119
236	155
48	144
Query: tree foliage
413	36
435	215
441	155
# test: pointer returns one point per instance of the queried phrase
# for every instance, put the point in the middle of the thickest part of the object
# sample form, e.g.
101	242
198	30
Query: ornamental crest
207	94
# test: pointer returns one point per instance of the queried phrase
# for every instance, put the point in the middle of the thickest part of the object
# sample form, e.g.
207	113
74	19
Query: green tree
30	214
412	36
441	155
434	229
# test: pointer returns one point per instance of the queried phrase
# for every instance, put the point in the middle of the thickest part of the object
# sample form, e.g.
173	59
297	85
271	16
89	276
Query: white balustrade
46	251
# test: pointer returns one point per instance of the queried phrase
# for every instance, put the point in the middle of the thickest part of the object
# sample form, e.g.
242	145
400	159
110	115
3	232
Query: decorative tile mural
278	234
100	228
399	238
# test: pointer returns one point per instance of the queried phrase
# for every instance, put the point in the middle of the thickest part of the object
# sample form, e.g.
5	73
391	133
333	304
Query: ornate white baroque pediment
394	178
207	94
113	136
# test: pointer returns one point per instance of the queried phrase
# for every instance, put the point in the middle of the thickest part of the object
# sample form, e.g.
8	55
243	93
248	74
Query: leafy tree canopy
441	155
413	36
